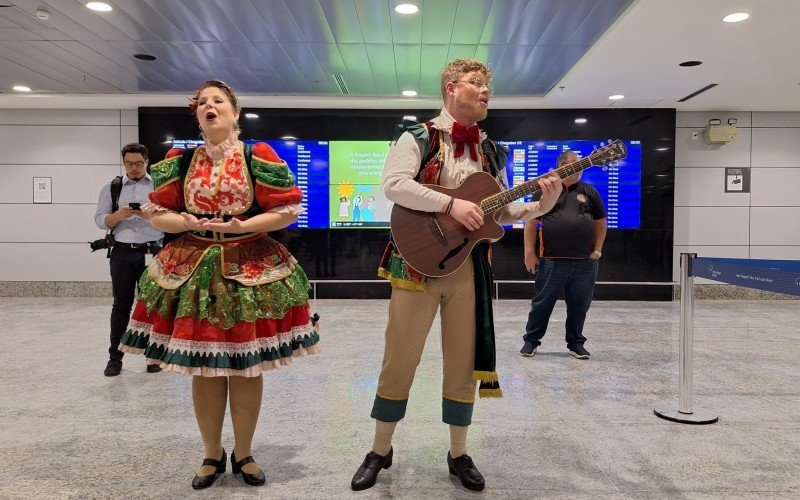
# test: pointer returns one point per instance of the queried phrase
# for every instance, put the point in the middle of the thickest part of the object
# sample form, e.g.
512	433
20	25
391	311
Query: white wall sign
737	180
43	190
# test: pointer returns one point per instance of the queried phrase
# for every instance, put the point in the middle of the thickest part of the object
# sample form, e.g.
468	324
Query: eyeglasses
137	164
477	83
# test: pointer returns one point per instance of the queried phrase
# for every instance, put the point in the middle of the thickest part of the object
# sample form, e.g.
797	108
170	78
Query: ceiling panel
470	21
432	58
359	71
382	63
342	18
143	14
438	22
294	47
59	64
16	74
183	18
299	55
407	65
19	34
534	21
408	29
502	20
375	21
213	17
278	19
311	21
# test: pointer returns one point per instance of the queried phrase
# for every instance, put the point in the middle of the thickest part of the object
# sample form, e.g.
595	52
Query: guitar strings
500	200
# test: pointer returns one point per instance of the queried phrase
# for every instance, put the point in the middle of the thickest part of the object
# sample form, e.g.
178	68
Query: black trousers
127	266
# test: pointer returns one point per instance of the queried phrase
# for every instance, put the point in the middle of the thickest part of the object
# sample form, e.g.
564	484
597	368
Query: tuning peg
610	141
602	144
605	168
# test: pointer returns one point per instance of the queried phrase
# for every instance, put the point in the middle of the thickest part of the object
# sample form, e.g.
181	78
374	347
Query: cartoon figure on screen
224	302
344	204
357	207
368	209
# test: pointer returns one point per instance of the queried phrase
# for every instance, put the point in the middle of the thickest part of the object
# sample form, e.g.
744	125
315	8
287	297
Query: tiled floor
565	429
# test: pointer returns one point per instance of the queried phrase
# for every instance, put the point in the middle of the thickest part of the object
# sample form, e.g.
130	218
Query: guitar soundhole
452	253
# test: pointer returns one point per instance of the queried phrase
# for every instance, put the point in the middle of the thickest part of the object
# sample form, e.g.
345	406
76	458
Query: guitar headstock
614	151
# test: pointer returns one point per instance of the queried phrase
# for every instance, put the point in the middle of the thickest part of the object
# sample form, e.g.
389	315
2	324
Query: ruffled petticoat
222	308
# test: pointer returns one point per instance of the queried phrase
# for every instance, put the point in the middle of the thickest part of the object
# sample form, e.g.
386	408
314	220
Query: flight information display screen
341	179
619	184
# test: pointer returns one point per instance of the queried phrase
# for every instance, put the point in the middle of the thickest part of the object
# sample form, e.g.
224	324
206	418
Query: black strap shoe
467	473
153	368
113	368
367	474
200	482
251	479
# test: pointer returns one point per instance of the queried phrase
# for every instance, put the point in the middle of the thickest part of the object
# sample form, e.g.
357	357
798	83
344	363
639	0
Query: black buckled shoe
200	482
113	368
367	474
467	473
251	479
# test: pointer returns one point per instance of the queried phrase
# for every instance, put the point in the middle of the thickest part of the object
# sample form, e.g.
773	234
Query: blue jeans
576	278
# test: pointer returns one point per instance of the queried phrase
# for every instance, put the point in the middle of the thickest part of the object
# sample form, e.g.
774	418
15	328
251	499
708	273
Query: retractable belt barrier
782	276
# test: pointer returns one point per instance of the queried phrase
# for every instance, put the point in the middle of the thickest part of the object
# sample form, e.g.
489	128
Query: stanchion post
684	412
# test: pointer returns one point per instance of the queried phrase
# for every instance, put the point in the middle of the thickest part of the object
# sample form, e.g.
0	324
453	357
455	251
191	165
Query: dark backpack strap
186	162
497	155
116	189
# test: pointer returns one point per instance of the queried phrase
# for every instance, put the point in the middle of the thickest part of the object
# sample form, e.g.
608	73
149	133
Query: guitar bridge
437	230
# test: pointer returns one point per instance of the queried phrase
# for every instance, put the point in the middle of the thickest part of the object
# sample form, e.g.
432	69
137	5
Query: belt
136	245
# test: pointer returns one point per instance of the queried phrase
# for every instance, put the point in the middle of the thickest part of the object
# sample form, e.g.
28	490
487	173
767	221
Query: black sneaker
153	368
579	351
529	349
113	367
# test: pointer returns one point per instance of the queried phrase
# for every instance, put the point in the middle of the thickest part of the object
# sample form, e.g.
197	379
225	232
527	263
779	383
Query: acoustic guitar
436	244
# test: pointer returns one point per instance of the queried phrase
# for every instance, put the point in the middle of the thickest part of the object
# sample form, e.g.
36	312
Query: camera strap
116	189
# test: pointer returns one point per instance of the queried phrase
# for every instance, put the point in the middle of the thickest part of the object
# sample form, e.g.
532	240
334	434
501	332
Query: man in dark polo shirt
565	250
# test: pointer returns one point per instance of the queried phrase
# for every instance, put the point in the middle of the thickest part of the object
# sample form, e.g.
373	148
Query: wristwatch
598	252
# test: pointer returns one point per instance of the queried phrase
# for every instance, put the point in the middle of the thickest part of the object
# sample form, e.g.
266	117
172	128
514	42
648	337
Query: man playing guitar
444	152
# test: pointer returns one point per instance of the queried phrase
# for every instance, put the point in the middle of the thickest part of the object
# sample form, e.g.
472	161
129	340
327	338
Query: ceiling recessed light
288	138
144	57
736	17
250	115
410	117
662	149
406	8
99	6
22	88
616	97
410	93
688	64
580	120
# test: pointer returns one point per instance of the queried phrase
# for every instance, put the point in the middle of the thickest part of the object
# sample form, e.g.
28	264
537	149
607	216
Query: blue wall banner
782	276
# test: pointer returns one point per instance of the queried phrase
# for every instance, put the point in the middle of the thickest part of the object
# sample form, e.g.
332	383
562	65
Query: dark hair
135	147
563	158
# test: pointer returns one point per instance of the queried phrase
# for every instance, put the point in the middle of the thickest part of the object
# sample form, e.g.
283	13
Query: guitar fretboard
499	200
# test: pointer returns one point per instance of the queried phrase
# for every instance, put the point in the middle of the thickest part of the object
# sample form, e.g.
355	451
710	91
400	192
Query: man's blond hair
459	67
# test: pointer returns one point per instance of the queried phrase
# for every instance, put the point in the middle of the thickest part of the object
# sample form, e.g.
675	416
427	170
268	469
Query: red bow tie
462	136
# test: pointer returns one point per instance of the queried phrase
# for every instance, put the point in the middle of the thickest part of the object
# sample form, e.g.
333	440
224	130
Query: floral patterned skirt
222	308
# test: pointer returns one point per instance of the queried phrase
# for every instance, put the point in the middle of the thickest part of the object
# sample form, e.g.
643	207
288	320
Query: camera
135	206
106	242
